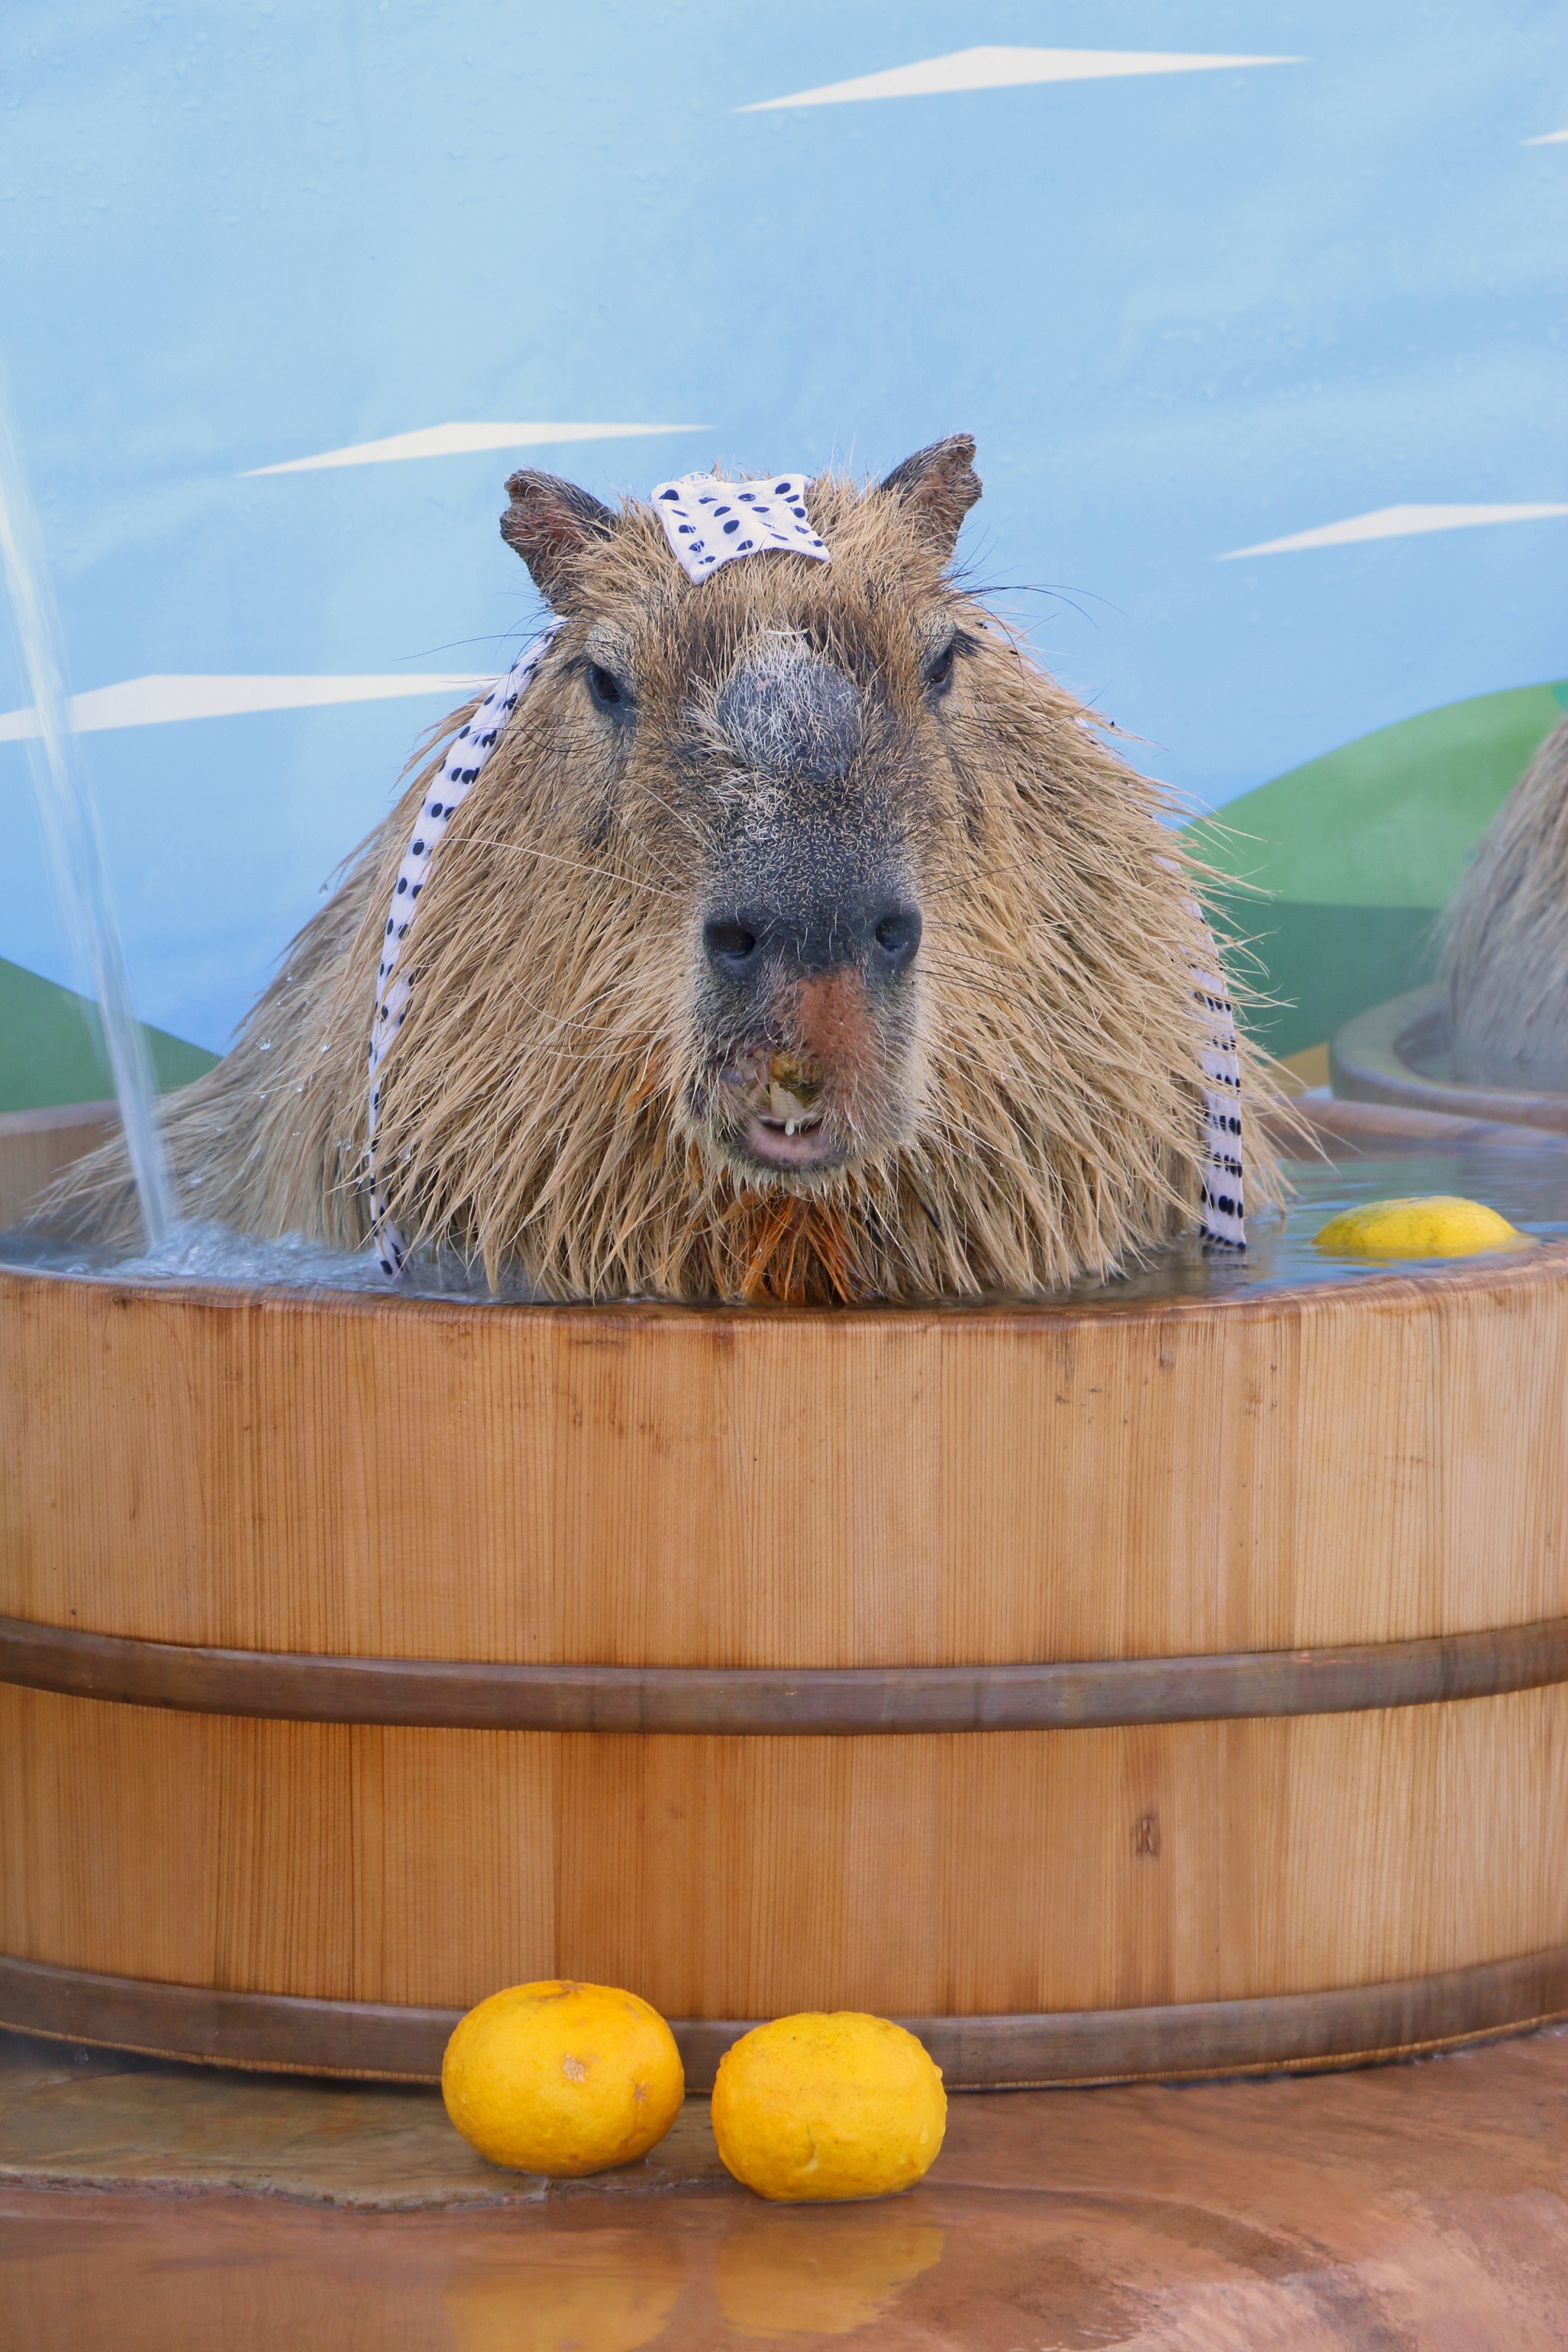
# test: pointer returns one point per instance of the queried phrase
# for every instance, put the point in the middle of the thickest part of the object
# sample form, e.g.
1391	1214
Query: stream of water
69	816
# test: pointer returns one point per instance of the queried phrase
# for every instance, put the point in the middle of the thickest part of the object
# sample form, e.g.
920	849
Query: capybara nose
733	948
880	935
896	938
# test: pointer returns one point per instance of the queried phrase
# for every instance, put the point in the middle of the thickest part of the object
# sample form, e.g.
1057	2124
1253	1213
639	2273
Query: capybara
799	940
1506	931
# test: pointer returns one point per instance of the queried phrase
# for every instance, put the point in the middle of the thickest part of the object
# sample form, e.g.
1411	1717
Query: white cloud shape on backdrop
152	701
999	69
1392	522
457	441
1546	139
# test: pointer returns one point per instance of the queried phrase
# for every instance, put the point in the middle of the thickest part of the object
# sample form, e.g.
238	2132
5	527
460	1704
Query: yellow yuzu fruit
828	2107
562	2078
1439	1226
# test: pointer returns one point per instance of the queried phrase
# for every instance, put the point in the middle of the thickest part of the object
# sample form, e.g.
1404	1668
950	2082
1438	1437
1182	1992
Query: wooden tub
1154	1689
1394	1054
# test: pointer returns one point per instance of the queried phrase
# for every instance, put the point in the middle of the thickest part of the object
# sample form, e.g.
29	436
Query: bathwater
1528	1182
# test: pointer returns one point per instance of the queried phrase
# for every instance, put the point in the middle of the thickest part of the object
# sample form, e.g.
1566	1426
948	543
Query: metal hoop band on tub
465	1694
1290	2033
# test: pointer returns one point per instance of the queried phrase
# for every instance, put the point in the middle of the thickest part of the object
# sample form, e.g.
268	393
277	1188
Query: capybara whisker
578	864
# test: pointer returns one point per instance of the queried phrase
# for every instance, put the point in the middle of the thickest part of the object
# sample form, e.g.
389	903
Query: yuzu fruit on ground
828	2107
562	2078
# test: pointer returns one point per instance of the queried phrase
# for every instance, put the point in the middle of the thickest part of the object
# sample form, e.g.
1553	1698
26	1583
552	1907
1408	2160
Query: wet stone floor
144	2206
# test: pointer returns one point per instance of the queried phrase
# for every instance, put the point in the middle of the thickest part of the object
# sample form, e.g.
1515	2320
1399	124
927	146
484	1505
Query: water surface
1528	1182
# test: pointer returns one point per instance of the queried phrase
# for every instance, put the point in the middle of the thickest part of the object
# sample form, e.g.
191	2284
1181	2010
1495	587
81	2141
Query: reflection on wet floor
776	2276
609	2292
1422	2205
807	2270
692	2271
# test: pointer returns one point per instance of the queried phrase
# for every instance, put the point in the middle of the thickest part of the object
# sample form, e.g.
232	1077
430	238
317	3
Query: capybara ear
937	486
550	522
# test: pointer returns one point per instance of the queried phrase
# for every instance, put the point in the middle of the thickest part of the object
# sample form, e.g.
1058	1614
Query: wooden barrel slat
725	1877
459	1694
37	1145
1354	1464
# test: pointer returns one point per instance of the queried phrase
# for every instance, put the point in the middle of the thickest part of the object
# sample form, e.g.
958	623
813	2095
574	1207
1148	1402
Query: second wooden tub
1398	1055
1156	1688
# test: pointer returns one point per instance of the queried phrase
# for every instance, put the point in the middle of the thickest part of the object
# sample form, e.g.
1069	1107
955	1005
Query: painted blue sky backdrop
1183	313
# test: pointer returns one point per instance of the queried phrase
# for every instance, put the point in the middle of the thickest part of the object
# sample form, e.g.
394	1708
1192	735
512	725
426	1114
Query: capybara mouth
771	1114
791	1144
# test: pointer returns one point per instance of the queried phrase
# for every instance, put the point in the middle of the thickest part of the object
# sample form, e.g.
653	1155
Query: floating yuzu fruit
562	2078
828	2107
1441	1226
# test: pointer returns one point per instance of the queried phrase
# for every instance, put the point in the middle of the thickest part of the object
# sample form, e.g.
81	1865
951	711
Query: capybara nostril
730	947
896	938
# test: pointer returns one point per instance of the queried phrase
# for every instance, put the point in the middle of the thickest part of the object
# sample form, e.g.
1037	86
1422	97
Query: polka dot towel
1220	1203
709	522
450	788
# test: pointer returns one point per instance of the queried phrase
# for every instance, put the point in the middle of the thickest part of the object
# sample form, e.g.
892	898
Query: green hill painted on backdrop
1362	849
50	1050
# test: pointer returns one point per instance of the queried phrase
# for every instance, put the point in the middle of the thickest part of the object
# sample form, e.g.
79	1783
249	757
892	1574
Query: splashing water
69	816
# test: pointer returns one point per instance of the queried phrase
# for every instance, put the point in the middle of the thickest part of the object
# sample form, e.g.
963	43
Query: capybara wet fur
800	940
1506	933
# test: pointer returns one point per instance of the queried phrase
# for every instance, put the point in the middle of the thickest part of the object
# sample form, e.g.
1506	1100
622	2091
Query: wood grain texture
940	1875
390	1480
623	1486
36	1145
845	1701
1290	2031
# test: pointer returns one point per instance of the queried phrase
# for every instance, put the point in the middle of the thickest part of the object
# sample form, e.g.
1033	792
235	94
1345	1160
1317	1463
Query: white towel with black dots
708	522
455	779
1221	1204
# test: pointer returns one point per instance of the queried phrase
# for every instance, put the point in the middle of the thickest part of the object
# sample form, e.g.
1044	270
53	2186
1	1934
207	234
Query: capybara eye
607	691
938	669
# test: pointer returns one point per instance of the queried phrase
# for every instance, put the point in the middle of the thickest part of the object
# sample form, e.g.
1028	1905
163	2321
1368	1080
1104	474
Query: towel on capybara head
799	939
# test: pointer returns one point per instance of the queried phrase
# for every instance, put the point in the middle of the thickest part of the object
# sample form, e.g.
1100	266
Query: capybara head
799	939
765	760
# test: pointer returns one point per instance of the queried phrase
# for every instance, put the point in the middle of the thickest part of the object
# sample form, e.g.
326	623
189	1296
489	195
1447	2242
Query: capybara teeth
786	1104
